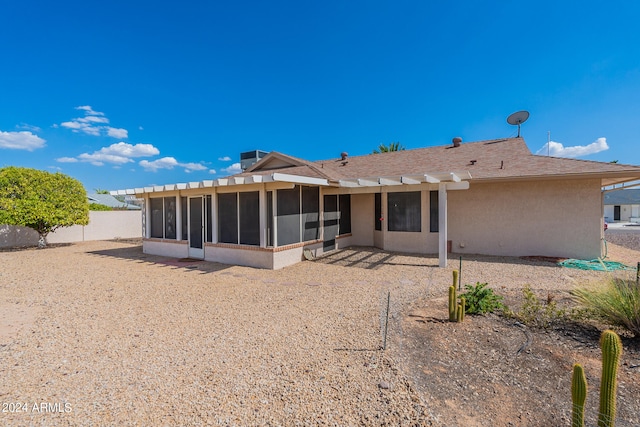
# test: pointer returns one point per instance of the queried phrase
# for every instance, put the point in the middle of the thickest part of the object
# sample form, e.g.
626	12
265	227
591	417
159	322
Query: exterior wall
550	218
362	219
103	225
17	237
168	248
248	256
608	213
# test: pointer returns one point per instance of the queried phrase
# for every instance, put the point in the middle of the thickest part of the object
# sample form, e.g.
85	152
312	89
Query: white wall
103	225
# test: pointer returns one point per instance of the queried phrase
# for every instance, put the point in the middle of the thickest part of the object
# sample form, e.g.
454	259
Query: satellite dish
518	118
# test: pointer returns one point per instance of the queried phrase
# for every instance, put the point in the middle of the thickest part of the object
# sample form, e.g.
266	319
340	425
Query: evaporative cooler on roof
248	158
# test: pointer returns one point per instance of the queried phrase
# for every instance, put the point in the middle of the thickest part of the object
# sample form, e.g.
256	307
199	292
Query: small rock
384	385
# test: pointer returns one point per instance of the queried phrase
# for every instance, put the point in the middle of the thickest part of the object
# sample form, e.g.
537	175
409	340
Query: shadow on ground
373	258
135	254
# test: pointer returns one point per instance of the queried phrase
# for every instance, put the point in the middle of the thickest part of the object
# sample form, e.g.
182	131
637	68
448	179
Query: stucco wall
239	256
103	225
551	218
173	249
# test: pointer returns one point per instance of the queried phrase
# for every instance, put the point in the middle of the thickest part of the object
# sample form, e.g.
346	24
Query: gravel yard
99	333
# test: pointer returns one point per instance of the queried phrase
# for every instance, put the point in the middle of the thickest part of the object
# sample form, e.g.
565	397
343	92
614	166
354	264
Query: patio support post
321	214
147	214
262	201
442	224
274	200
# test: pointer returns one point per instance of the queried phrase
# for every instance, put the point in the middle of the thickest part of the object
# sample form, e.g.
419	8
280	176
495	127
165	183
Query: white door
196	228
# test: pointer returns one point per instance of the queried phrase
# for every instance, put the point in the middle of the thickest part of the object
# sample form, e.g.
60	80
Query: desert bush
479	299
617	302
537	313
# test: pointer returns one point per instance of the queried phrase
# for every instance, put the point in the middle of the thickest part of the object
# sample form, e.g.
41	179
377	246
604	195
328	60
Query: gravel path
100	334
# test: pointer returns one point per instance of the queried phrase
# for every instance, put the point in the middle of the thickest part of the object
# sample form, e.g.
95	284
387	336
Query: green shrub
617	302
480	299
99	207
538	313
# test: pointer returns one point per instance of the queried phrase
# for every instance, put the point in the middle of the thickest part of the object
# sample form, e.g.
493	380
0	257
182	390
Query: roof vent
344	155
457	141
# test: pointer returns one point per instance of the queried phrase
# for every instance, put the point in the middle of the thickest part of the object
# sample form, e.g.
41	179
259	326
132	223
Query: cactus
455	277
461	310
578	395
611	351
452	303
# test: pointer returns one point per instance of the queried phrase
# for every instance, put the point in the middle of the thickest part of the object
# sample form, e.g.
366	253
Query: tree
394	146
41	200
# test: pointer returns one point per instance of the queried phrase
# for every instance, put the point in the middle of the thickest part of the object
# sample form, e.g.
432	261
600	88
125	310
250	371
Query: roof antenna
518	118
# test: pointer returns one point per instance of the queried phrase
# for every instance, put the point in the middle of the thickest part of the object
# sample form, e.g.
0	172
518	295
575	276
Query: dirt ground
126	338
493	371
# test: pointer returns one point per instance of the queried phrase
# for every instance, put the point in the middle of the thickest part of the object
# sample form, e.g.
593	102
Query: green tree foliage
394	146
41	200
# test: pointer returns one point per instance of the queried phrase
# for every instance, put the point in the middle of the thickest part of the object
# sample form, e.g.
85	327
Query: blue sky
124	94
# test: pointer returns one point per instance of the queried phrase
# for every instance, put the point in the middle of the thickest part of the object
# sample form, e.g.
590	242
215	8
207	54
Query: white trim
463	185
442	224
298	179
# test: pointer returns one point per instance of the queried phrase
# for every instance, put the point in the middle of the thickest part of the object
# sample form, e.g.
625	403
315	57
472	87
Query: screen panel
288	216
249	203
157	217
228	218
404	211
310	213
169	217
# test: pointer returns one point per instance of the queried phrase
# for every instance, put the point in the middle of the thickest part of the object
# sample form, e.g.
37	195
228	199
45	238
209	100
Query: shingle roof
497	159
622	197
109	200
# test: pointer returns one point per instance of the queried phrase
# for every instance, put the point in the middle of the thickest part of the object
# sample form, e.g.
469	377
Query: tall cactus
455	277
611	351
453	306
578	395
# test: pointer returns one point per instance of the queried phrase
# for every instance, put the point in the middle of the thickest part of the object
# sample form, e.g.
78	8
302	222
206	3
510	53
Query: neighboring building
489	197
112	202
622	205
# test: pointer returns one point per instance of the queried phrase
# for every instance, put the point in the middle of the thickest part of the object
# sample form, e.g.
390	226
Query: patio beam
442	224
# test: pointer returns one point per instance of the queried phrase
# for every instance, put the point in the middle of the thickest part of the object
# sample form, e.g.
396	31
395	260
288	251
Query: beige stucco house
489	197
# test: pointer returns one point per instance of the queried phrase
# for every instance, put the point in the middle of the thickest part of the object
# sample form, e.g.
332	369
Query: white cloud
88	110
170	163
191	167
117	133
93	119
212	171
224	159
163	163
118	154
66	160
556	149
93	123
25	126
128	150
233	169
21	140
